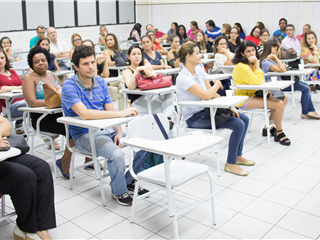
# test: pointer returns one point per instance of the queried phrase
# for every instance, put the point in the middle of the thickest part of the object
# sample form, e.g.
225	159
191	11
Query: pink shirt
190	35
289	42
300	37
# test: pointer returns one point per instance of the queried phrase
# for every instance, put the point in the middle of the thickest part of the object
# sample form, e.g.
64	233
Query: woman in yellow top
247	71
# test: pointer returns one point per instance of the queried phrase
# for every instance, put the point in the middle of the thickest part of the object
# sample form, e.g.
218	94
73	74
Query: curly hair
239	57
36	50
82	51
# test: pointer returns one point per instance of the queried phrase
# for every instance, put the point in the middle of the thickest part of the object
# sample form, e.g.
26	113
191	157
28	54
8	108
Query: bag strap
164	133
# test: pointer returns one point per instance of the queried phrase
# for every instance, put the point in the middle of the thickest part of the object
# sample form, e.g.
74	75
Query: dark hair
90	41
82	51
290	25
4	39
188	39
239	26
146	36
7	65
44	38
238	41
211	23
217	40
41	27
184	50
173	36
238	58
263	31
36	50
136	27
103	26
185	31
308	26
261	25
255	27
130	50
176	24
194	23
283	19
267	49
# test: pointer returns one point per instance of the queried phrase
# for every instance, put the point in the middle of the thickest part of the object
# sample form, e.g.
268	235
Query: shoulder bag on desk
52	96
160	81
286	53
19	142
222	114
122	58
277	94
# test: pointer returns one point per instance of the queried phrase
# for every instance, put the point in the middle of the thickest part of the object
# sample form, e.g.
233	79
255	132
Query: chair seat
180	172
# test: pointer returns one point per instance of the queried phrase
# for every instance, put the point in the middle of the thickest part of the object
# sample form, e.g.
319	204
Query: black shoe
131	186
285	141
272	131
124	199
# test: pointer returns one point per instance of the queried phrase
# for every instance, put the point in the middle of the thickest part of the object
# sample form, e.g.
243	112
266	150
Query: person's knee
279	105
117	156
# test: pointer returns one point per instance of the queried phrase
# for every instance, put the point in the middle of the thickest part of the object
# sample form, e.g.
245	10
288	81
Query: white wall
247	13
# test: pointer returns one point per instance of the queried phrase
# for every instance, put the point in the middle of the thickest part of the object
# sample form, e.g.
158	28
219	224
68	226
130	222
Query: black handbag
122	58
222	115
19	142
277	94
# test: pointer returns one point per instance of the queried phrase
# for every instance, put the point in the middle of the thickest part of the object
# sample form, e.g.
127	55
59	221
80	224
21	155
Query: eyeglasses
77	40
289	29
221	44
151	35
265	35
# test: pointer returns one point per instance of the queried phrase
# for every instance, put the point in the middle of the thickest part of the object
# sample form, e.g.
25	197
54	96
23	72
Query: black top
232	47
132	97
208	47
113	73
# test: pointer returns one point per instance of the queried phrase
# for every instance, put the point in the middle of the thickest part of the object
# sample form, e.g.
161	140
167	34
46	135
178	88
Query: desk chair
3	209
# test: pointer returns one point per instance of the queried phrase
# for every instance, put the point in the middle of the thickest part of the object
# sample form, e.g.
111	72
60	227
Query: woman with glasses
254	35
76	41
264	36
234	40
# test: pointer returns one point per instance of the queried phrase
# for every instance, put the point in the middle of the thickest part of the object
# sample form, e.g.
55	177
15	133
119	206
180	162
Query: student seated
264	36
247	71
175	44
112	45
254	36
41	31
160	36
242	34
291	42
260	25
270	63
173	29
87	96
28	181
181	33
223	56
76	41
280	34
234	40
135	33
226	29
193	29
156	45
150	56
102	37
6	43
202	43
212	31
44	42
306	28
192	85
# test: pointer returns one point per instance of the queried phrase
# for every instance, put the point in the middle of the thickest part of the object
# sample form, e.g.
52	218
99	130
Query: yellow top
242	74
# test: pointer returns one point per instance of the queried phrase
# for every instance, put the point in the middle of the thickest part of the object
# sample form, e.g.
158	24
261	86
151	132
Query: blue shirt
185	80
265	65
33	41
215	33
155	61
242	35
74	91
277	34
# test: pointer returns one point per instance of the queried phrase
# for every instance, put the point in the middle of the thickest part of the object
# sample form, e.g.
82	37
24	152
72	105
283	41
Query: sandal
242	173
284	141
272	131
171	124
247	163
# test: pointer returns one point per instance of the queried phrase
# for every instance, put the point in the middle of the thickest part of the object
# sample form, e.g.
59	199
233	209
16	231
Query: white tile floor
279	199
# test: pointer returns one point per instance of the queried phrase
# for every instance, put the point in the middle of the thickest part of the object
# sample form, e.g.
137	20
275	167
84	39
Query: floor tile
61	193
293	155
280	233
316	191
251	186
301	223
219	235
156	237
69	230
307	171
200	188
281	164
7	231
294	182
309	204
313	161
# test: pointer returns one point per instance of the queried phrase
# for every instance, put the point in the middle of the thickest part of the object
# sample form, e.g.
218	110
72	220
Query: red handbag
160	81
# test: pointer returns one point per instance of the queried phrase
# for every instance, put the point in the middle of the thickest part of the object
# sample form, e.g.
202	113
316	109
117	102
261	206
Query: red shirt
5	81
159	34
300	37
255	40
156	47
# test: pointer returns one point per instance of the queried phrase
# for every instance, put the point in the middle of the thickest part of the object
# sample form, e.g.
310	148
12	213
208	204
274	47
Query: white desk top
40	110
20	68
206	61
266	86
312	65
168	71
9	95
95	124
207	54
159	91
226	66
291	73
62	59
113	79
289	60
222	102
12	152
218	76
63	72
175	147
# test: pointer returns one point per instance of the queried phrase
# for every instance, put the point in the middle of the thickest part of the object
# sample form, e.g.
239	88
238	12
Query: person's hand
218	82
235	113
168	67
4	142
129	112
6	49
252	59
198	38
117	139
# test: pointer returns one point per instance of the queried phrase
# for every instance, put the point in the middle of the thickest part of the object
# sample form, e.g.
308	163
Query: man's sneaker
131	186
124	199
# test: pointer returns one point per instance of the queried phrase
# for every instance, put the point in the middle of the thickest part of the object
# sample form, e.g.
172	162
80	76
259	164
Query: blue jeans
306	102
106	148
15	113
238	126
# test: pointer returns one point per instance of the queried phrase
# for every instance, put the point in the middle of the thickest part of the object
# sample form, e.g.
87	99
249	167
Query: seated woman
150	56
135	33
234	40
102	37
247	71
254	35
270	63
173	29
5	43
112	45
181	33
159	103
38	59
310	53
193	29
226	29
76	41
44	42
28	181
160	36
264	36
175	44
241	34
156	45
192	85
260	25
203	45
9	80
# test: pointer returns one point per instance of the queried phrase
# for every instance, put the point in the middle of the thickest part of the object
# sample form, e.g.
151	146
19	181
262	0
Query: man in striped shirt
212	31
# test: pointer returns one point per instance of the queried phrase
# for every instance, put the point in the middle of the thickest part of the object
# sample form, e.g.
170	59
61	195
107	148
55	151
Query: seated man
291	42
160	36
212	31
306	28
41	30
280	34
87	96
59	48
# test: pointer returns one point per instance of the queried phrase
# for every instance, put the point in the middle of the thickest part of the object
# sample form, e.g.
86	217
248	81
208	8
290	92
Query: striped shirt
74	91
215	33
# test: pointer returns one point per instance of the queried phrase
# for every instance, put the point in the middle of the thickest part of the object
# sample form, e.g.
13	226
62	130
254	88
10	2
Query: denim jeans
15	113
238	126
306	102
106	148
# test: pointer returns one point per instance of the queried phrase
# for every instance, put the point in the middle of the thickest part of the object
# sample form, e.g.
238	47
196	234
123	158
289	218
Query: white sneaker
18	234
